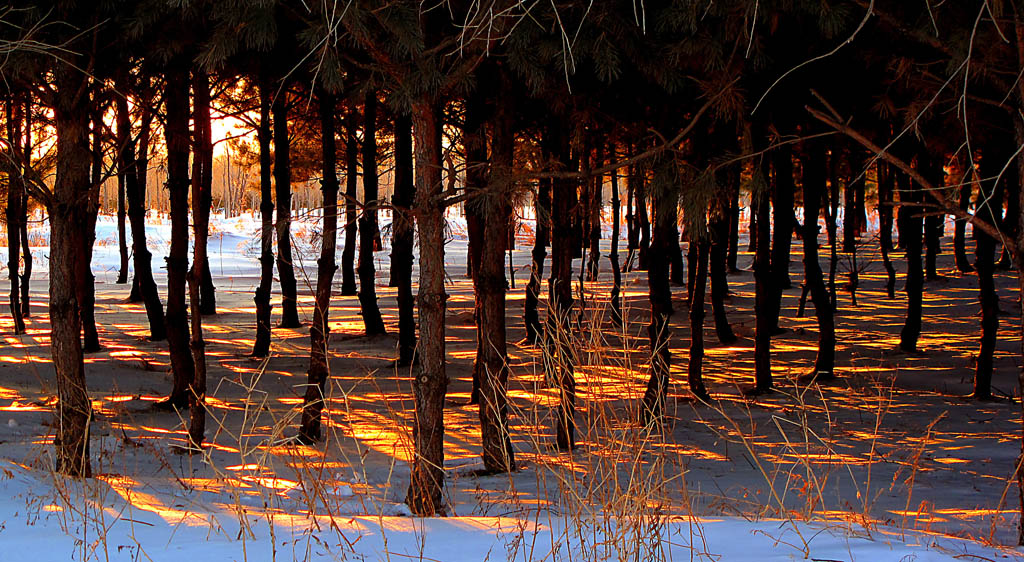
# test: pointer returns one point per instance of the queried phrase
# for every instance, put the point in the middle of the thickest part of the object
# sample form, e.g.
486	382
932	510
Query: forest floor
892	461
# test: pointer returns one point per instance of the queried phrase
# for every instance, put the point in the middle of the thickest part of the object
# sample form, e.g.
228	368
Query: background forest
381	172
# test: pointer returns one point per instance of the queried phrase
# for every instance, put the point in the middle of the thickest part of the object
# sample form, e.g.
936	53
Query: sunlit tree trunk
71	186
815	176
402	231
427	476
316	385
283	192
202	179
348	254
368	307
261	346
177	137
15	211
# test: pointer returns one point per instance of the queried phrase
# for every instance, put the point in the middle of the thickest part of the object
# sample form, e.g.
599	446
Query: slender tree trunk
909	224
559	358
319	370
477	209
832	221
752	228
85	281
613	254
782	215
368	308
490	283
695	362
933	238
596	204
26	251
261	347
963	265
815	176
643	223
763	292
283	191
1009	223
678	273
718	256
348	254
632	228
70	192
14	213
177	138
984	261
734	225
132	164
542	209
886	183
122	231
658	332
202	180
402	231
427	479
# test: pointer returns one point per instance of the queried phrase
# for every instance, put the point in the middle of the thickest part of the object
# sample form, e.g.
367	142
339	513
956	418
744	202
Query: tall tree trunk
15	212
1009	223
85	281
763	290
177	138
427	479
886	184
613	254
815	177
782	242
319	370
960	232
283	192
348	254
368	308
933	226
560	367
909	223
695	362
718	256
632	224
734	226
122	231
643	222
832	220
402	230
658	333
26	251
202	180
132	164
490	293
992	161
477	208
70	192
261	346
542	210
595	206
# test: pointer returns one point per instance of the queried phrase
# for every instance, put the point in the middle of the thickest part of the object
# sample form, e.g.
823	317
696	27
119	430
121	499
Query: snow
148	503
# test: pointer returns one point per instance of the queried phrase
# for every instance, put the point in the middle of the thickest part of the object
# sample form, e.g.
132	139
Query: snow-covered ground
888	468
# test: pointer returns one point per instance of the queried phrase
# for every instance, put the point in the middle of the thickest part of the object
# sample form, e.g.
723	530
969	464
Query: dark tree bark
613	254
734	226
261	347
963	265
348	254
427	479
694	366
658	331
886	183
933	226
632	226
368	308
763	291
402	230
678	273
855	162
477	208
909	223
202	180
560	362
316	384
832	221
542	209
490	294
992	161
643	222
85	282
177	138
122	232
782	215
815	176
15	213
718	255
594	231
26	251
1009	222
132	164
70	191
283	192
